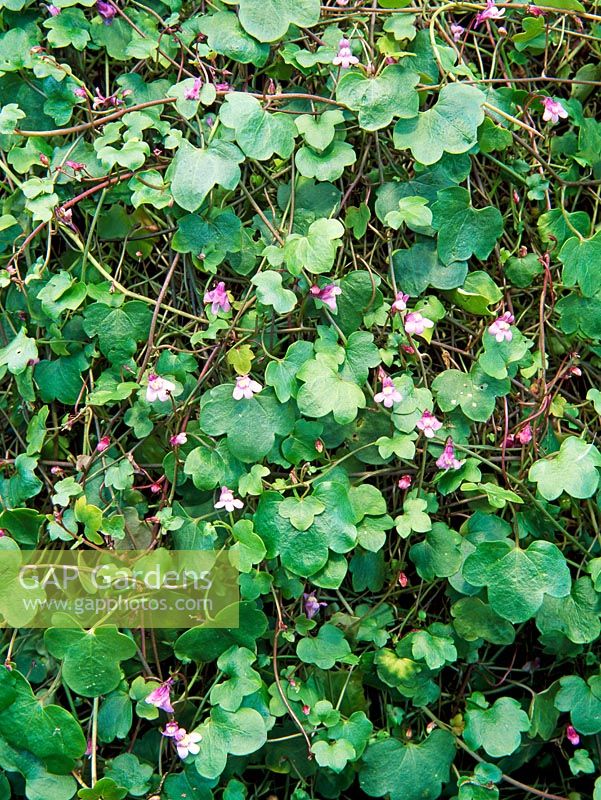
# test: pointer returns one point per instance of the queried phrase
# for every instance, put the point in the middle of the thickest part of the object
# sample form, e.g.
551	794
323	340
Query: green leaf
334	755
242	679
18	353
413	212
237	733
118	329
326	391
318	132
226	36
314	252
450	126
327	165
581	259
583	701
420	267
194	172
439	555
413	518
270	292
70	27
324	650
464	231
408	771
258	133
301	512
268	20
517	580
475	392
207	644
127	770
379	99
573	469
90	658
496	729
9	117
61	293
474	620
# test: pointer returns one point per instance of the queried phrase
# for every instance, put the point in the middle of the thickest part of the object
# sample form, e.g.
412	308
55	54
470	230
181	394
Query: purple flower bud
312	604
106	10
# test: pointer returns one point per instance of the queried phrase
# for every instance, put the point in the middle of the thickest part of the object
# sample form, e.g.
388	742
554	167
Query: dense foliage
320	286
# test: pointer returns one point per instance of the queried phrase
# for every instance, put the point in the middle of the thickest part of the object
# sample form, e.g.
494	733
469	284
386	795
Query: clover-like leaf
301	512
474	392
325	649
581	259
225	732
270	292
497	729
242	679
583	701
572	469
464	231
194	172
408	771
259	133
268	20
517	580
90	658
379	99
450	126
325	390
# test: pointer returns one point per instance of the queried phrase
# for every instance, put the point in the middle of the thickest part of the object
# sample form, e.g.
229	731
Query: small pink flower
525	435
155	488
187	743
535	11
327	294
80	91
572	735
448	460
428	424
245	388
228	501
415	323
56	470
103	444
172	729
501	327
553	110
106	10
306	710
158	388
342	3
405	481
76	166
575	372
53	10
389	394
218	298
161	697
178	438
457	31
222	87
312	605
490	12
344	58
193	92
400	302
403	580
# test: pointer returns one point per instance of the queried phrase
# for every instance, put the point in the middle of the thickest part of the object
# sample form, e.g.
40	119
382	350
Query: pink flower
222	87
172	729
501	327
80	91
53	10
400	302
457	31
342	3
178	438
306	710
525	435
553	110
389	394
227	500
535	11
447	459
403	580
245	388
344	58
187	743
405	481
76	166
194	91
415	323
327	294
158	388
103	444
106	10
428	424
572	735
218	298
312	605
490	12
161	697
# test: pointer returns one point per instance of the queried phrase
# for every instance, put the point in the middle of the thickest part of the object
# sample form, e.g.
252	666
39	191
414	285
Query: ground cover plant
320	287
